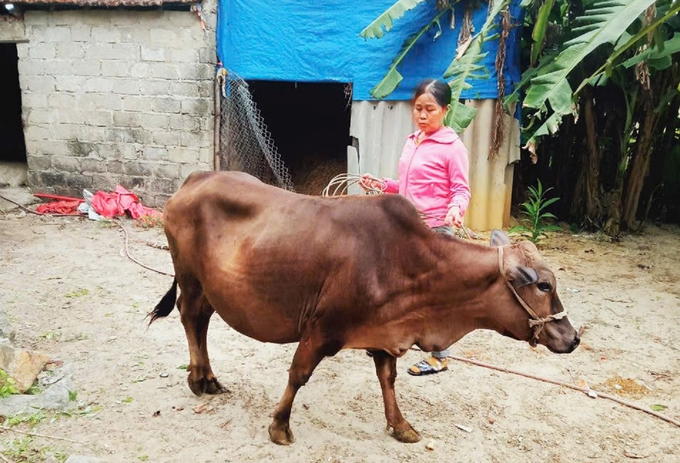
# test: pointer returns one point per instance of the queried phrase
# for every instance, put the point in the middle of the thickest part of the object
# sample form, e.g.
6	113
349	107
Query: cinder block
37	132
189	89
62	100
40	162
33	100
125	51
191	71
198	106
98	51
165	186
105	34
52	178
116	68
154	153
164	37
184	55
152	53
58	67
140	70
183	122
164	71
164	138
38	116
70	51
155	121
165	105
126	86
93	166
139	169
99	84
155	87
93	133
114	167
137	34
69	83
125	119
99	101
41	84
183	155
87	68
66	163
81	149
58	34
81	33
170	171
32	67
79	181
137	103
53	147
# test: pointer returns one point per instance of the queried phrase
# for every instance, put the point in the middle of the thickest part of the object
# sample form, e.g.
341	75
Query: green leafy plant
533	216
7	387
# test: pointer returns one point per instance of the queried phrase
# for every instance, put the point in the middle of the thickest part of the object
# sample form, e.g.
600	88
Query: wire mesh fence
245	143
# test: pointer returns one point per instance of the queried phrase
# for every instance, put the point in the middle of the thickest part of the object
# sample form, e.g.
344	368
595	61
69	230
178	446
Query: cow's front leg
309	353
386	369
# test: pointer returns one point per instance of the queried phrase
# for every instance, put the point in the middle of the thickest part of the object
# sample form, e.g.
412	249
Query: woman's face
428	114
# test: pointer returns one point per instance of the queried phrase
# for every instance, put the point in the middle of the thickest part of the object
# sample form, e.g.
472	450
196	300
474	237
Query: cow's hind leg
310	351
195	313
386	369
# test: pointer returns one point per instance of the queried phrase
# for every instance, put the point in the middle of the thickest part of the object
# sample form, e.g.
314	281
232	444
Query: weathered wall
117	96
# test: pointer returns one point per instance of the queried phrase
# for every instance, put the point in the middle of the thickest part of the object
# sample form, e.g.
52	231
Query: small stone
430	445
22	365
164	375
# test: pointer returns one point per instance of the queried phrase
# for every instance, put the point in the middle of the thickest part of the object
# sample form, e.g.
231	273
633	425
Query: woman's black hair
439	90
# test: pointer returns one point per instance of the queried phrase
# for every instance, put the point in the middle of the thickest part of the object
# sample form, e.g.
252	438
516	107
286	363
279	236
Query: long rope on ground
589	392
46	436
127	254
25	209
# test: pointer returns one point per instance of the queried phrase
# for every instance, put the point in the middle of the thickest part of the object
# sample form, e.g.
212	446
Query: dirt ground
69	292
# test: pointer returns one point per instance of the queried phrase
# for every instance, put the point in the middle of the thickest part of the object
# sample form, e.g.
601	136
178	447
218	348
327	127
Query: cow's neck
464	288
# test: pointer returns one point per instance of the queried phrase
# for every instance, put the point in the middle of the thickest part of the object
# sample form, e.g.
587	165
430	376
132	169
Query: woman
433	175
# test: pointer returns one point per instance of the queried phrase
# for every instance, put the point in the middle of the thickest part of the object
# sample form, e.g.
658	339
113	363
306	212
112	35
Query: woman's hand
369	182
454	217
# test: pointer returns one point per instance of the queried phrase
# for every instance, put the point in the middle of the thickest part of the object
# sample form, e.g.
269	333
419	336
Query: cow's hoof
204	385
408	436
281	435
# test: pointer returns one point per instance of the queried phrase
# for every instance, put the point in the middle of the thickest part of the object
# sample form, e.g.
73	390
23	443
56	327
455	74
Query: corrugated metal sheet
381	129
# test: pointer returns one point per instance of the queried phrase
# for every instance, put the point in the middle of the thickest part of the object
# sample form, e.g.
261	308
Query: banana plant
465	65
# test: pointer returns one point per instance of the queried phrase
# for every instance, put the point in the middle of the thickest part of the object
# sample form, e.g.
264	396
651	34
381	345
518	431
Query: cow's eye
545	287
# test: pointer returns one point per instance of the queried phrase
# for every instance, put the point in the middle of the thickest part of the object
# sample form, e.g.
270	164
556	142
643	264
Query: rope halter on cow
536	323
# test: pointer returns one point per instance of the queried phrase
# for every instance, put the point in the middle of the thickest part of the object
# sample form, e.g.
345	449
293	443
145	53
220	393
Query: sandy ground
69	292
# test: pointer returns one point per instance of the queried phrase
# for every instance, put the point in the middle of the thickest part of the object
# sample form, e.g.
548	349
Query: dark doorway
12	146
309	123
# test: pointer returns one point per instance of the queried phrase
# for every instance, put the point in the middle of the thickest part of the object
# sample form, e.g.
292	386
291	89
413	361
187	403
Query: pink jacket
433	175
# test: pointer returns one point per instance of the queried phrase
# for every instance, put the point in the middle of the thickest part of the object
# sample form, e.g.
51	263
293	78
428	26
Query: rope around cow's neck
536	323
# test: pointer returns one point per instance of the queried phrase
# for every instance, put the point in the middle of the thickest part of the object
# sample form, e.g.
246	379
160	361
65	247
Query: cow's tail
165	306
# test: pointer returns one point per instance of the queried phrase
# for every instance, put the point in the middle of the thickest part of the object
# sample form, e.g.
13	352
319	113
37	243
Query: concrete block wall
117	97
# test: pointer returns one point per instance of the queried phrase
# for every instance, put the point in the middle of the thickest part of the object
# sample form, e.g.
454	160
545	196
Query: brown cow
343	273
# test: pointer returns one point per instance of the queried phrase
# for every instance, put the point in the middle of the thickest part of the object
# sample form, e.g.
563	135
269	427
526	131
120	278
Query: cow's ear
499	238
523	276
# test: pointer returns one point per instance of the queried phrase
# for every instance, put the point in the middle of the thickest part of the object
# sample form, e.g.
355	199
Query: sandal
429	366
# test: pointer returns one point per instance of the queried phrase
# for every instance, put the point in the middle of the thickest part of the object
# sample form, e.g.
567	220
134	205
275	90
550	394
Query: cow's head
531	287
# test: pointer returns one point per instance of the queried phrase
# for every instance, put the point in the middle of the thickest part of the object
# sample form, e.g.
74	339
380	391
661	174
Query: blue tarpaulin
306	41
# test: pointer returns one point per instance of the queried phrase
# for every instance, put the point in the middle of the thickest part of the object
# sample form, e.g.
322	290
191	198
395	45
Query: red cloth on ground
59	207
117	203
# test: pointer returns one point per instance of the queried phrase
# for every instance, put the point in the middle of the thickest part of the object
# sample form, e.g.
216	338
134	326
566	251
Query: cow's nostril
576	342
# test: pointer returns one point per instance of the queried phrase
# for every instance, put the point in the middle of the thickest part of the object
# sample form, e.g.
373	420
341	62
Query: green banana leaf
603	22
383	23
